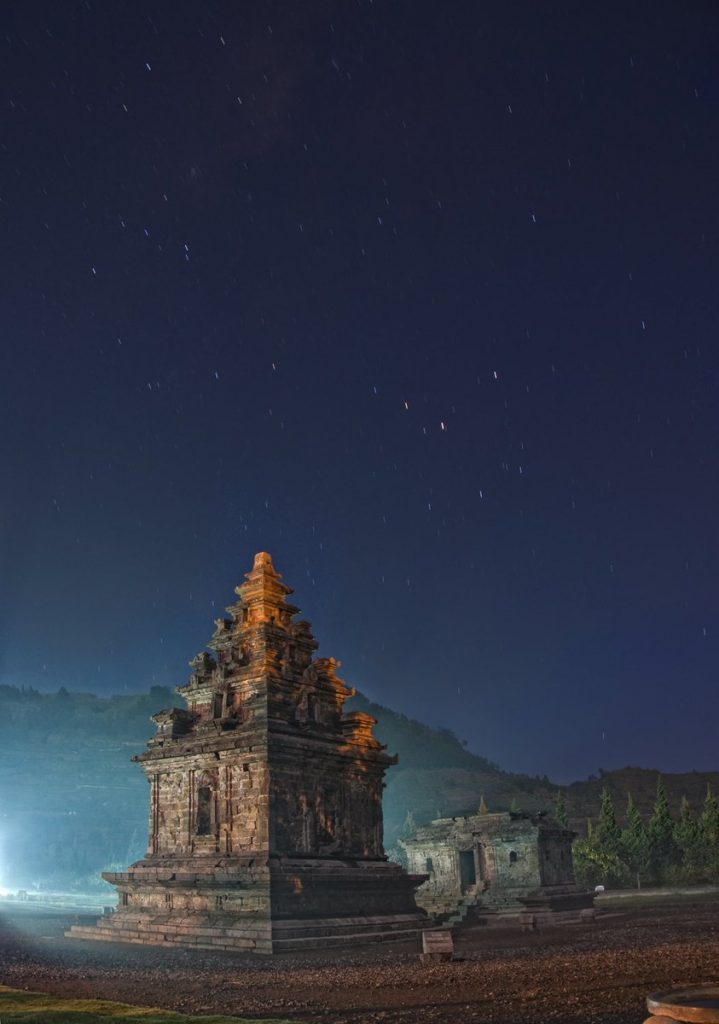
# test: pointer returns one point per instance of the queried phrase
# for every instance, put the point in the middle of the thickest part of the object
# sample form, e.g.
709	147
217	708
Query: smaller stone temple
483	866
265	801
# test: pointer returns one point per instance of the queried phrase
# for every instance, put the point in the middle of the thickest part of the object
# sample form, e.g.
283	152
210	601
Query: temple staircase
464	911
481	902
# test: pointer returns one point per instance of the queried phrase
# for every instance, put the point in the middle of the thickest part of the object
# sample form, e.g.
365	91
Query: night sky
419	297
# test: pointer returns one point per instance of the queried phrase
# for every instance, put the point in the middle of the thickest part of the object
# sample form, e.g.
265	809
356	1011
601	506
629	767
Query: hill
437	775
582	799
72	804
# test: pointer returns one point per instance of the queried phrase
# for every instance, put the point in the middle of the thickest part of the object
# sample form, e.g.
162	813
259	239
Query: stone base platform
163	930
261	906
284	937
557	904
541	908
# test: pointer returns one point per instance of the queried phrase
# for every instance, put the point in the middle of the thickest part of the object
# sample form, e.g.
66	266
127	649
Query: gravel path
599	973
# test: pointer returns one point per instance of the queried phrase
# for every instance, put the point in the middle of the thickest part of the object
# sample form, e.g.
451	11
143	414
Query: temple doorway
467	870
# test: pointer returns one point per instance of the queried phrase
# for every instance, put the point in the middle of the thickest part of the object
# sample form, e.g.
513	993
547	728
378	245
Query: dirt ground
579	973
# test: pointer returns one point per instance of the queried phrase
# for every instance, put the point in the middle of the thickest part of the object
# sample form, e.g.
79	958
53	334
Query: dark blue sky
421	298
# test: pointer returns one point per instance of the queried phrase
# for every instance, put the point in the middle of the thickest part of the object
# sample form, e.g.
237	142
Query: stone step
276	945
238	944
306	927
288	935
351	939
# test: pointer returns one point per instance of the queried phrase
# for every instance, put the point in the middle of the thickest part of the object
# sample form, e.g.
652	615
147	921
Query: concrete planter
698	1004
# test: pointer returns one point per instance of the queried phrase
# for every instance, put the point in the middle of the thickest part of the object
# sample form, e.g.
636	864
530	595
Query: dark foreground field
599	972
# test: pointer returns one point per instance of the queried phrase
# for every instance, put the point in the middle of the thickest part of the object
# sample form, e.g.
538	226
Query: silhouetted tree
409	827
598	858
560	810
662	848
686	829
607	834
709	819
708	837
635	843
690	845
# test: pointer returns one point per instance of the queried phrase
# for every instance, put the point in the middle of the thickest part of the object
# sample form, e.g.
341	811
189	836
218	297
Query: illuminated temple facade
265	800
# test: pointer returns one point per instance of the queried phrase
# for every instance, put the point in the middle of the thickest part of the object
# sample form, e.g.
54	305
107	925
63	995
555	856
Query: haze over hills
72	803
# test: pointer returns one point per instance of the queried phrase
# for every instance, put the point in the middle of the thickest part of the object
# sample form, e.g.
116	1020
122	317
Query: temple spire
262	597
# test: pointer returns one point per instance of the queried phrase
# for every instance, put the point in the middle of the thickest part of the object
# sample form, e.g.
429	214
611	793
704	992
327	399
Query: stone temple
265	801
487	868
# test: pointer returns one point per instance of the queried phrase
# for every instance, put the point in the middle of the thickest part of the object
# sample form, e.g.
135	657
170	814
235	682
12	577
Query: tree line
659	851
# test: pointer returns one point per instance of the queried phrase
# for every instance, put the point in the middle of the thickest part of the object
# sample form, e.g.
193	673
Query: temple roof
264	593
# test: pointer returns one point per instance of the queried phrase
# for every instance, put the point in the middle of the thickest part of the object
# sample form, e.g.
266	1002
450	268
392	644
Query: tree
709	819
686	830
397	851
607	834
635	843
560	810
708	839
409	826
593	865
662	848
483	809
598	858
689	842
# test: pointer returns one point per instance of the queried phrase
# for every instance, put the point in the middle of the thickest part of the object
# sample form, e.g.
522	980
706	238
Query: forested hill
73	804
582	799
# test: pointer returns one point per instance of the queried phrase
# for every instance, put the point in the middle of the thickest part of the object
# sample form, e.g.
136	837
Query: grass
38	1008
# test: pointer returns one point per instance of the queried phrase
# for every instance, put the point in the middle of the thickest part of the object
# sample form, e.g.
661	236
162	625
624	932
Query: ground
18	1007
581	973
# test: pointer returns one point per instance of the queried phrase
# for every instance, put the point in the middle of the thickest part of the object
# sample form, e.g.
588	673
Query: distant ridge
436	772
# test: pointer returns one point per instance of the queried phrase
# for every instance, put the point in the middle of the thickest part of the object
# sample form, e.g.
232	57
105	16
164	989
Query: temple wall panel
555	861
320	807
439	861
171	817
517	862
245	799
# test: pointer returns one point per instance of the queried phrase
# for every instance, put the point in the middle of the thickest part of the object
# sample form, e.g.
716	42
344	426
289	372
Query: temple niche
265	829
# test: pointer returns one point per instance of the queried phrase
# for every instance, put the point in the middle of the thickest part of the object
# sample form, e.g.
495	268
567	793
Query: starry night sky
421	298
